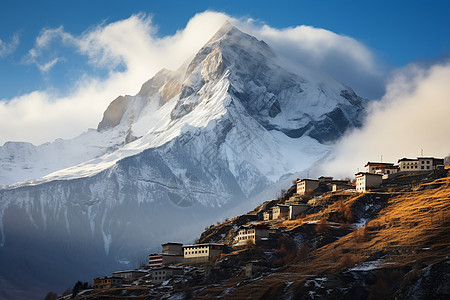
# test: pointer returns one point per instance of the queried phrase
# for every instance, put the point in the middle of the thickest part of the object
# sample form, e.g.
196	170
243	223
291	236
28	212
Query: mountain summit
276	98
190	146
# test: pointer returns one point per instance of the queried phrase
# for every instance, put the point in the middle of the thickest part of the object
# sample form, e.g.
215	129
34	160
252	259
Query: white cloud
8	48
342	57
134	44
44	42
43	116
413	115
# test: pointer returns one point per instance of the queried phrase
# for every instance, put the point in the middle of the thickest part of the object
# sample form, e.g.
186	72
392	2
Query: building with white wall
200	253
304	185
164	259
253	233
267	215
420	164
172	253
381	168
366	181
280	211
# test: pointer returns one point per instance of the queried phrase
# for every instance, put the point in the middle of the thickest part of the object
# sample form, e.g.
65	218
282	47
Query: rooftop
129	271
371	163
171	243
367	173
202	245
306	179
167	267
164	254
256	226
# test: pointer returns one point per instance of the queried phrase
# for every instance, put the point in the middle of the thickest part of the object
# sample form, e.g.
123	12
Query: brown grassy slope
411	228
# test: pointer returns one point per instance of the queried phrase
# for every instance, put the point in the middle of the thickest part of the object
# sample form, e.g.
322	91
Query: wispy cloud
45	115
44	54
413	115
135	45
342	57
7	48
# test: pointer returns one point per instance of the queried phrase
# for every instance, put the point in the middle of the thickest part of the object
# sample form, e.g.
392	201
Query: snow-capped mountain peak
190	146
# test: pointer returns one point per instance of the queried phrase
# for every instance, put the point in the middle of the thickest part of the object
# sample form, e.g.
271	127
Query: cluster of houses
371	177
169	263
165	265
376	172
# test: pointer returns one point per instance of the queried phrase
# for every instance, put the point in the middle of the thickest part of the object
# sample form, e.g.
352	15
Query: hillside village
310	215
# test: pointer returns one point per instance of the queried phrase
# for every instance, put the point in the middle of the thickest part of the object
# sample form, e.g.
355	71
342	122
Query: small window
422	167
428	161
428	167
423	162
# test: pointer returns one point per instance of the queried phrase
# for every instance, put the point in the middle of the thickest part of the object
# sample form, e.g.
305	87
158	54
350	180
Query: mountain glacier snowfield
191	147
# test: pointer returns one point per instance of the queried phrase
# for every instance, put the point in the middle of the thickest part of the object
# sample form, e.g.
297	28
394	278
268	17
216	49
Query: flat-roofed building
199	253
420	164
267	215
325	179
305	185
172	248
172	253
366	181
253	233
107	282
280	211
341	186
164	259
381	168
130	274
161	274
296	209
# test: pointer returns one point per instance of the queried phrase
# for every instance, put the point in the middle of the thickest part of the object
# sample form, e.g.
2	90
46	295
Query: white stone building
172	253
304	185
254	233
419	164
381	168
267	215
366	181
199	253
280	211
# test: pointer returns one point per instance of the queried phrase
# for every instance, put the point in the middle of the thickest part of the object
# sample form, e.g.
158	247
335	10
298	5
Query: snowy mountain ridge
191	146
231	64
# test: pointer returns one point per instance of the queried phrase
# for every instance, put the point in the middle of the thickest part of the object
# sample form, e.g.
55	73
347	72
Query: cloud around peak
131	51
412	116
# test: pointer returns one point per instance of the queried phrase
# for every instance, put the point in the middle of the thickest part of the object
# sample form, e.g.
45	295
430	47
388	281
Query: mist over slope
191	145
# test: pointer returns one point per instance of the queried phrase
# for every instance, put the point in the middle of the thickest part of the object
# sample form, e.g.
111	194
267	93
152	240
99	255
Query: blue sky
379	36
399	32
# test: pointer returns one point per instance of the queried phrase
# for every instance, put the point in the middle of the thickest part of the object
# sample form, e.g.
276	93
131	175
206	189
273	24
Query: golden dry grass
413	227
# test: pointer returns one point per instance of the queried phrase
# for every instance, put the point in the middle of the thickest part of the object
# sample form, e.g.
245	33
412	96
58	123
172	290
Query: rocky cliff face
162	164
